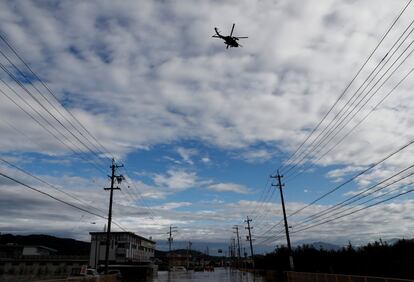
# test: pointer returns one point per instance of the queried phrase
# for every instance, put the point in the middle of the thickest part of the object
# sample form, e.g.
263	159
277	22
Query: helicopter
229	40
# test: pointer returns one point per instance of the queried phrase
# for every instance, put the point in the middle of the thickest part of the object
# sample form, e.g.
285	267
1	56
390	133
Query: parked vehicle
178	268
91	272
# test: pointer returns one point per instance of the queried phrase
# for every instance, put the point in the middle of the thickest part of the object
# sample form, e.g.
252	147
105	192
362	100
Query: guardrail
292	276
101	278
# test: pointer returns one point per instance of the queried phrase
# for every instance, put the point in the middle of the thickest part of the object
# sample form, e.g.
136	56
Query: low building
38	251
124	248
16	251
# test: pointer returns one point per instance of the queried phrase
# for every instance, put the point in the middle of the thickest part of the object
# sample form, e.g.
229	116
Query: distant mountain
64	246
212	248
325	246
193	253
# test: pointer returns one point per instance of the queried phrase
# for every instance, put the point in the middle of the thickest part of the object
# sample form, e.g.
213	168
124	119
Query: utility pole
170	239
233	249
249	238
238	240
188	254
119	179
280	185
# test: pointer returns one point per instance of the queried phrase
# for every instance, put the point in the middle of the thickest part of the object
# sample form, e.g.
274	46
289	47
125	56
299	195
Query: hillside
64	246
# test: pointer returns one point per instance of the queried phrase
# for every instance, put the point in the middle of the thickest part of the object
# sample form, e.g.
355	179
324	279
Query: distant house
11	251
16	251
38	251
124	248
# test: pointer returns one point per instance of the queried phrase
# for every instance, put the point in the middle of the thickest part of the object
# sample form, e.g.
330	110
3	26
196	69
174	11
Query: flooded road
220	274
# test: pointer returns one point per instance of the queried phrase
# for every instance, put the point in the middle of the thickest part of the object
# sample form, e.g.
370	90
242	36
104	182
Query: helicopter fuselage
229	40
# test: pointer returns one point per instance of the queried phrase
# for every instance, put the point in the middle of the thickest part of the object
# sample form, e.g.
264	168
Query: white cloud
174	205
176	180
205	160
229	187
187	154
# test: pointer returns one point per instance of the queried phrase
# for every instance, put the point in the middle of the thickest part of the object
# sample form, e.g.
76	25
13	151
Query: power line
42	124
354	177
52	94
336	124
344	113
358	210
50	185
51	196
48	111
139	195
362	203
313	164
309	136
59	200
349	180
359	196
261	198
54	107
347	87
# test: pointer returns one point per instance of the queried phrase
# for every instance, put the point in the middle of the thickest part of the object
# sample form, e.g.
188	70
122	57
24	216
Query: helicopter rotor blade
216	36
231	33
241	37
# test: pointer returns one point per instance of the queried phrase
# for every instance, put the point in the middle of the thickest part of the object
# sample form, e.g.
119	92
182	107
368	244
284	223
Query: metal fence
292	276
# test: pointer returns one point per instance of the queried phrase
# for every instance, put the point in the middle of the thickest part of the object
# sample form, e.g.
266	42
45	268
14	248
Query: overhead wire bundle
315	146
31	95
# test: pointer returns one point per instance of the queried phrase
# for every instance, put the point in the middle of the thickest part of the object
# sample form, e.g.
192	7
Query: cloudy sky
200	127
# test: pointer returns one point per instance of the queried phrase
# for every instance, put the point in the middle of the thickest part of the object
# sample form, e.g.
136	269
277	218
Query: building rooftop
41	247
123	232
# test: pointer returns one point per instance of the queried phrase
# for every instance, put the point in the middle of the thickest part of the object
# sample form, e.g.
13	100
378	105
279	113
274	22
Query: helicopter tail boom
218	34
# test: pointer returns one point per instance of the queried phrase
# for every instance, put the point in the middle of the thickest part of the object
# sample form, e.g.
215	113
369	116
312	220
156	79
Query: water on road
219	275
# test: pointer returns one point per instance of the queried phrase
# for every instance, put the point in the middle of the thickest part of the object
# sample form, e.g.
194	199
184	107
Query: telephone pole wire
118	179
280	185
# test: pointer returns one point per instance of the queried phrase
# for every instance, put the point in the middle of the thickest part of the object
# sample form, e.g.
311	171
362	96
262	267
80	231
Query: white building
124	248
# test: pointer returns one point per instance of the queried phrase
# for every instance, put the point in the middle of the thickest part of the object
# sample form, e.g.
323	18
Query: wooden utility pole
248	220
238	241
119	179
280	185
170	238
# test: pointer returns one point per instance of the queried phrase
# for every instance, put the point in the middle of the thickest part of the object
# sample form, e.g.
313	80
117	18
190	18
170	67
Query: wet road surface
219	275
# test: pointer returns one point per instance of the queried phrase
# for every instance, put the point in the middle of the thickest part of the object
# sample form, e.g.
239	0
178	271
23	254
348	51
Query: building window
121	245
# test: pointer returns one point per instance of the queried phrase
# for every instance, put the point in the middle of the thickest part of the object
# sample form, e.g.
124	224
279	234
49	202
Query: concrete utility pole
249	238
119	179
238	241
280	185
170	239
